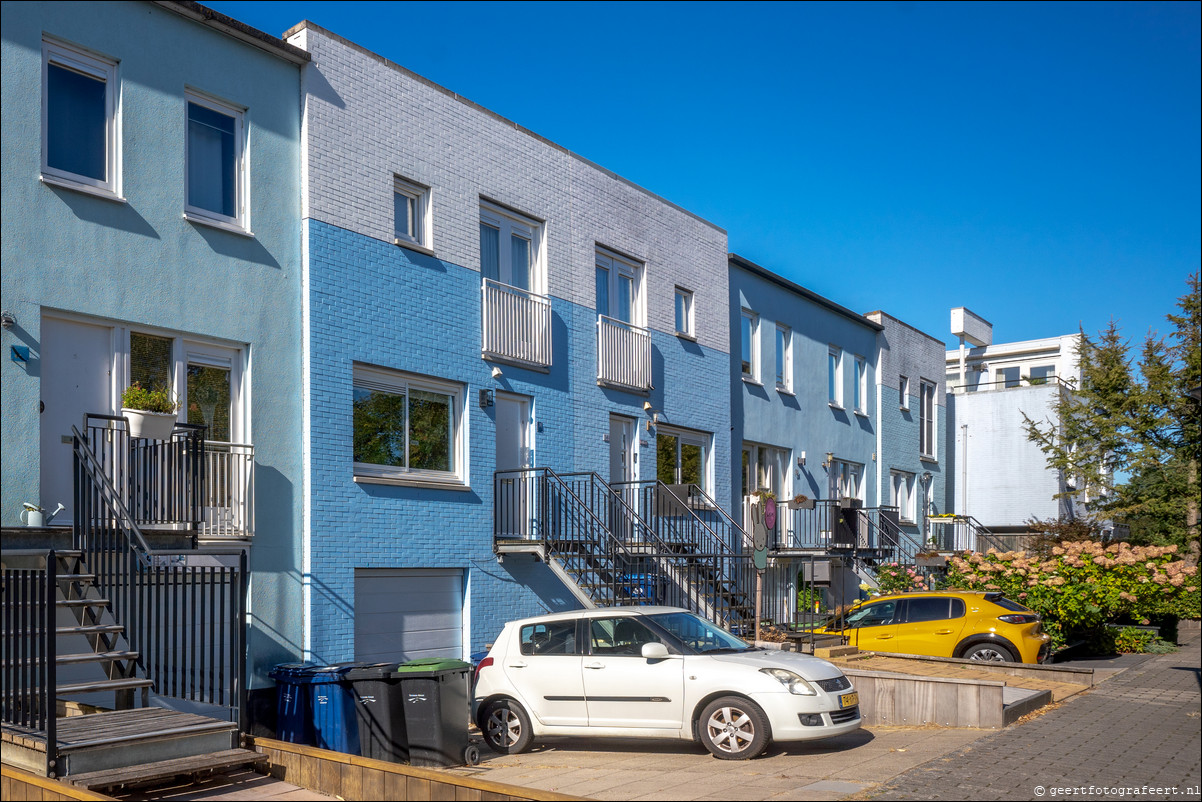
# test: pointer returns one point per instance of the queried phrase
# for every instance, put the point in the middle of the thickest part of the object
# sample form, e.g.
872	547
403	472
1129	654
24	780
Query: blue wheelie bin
332	702
294	720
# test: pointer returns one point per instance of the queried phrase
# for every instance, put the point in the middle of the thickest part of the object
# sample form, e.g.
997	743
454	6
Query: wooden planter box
930	561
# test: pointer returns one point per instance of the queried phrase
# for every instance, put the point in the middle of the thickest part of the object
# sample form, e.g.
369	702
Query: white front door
623	457
514	452
77	363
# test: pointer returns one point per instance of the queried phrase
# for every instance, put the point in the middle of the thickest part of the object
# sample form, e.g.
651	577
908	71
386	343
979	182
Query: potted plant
151	414
801	502
930	559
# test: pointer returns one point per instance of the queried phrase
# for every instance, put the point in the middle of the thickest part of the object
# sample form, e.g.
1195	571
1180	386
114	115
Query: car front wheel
506	727
733	728
990	653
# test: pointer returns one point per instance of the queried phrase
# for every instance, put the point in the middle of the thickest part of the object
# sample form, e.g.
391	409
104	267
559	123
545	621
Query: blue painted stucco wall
803	421
139	262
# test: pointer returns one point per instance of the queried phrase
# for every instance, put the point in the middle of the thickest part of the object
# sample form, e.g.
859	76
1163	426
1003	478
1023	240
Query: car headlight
792	681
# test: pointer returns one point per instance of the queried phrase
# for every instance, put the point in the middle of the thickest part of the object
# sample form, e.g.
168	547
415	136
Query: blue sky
1035	162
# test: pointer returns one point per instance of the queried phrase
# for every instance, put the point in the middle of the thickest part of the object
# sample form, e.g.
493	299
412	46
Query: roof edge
303	24
765	273
238	30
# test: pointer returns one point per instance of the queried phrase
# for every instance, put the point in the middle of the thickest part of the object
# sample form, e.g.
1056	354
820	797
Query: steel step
167	769
100	686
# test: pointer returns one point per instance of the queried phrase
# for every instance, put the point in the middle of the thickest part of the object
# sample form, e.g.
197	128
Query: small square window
216	172
411	210
684	312
80	122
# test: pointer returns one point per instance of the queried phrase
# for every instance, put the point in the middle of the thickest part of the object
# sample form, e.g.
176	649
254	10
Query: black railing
186	620
162	482
29	654
895	544
801	593
821	526
962	533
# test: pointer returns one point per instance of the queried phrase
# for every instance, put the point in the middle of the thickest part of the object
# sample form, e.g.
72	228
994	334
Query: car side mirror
655	650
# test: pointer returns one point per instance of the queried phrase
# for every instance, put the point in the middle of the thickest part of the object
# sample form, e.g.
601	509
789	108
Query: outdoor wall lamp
486	399
830	457
7	319
801	460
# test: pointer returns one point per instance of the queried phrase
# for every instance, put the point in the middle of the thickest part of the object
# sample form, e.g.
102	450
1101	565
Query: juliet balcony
623	355
516	325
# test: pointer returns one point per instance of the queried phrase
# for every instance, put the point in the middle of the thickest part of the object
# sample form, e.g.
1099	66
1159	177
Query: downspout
964	469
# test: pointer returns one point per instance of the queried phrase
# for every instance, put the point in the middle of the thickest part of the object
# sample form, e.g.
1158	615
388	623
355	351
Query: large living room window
407	427
80	121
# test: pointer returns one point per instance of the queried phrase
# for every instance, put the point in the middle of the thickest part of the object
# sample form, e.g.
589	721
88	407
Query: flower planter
930	560
808	504
149	425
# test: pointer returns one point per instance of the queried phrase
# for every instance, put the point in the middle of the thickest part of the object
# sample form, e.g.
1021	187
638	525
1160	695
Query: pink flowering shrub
894	578
1084	585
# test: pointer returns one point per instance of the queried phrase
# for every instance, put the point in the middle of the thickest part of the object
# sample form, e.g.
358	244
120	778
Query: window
1041	373
410	213
553	637
619	288
872	615
619	636
784	358
1008	377
932	609
510	249
684	313
902	494
903	392
765	468
682	457
834	376
407	427
926	419
751	345
81	142
846	480
860	390
216	180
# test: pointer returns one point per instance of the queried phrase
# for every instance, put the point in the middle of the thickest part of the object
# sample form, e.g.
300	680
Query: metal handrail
1024	381
28	696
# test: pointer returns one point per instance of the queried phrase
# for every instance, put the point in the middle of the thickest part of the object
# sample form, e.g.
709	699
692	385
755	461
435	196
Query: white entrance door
77	363
514	451
623	467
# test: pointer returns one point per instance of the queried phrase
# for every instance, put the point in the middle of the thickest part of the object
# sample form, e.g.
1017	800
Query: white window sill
833	405
785	390
686	336
861	413
752	380
399	482
928	458
221	225
413	246
86	189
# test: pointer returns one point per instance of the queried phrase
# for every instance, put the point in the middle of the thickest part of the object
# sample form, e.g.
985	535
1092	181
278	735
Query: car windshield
698	634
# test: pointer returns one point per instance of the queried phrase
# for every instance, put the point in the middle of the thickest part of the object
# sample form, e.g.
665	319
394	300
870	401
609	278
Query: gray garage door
407	613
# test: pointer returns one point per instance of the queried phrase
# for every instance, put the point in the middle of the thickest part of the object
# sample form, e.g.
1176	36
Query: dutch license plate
849	700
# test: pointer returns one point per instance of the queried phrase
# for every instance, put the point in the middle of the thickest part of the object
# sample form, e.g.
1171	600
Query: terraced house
507	350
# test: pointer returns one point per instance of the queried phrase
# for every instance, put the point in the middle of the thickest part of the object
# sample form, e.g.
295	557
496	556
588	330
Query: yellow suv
972	625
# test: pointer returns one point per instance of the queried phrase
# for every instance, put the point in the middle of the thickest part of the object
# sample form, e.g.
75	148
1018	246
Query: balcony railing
623	354
517	324
229	504
1013	384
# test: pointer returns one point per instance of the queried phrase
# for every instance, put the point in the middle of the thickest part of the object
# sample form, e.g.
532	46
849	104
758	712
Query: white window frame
751	373
617	266
64	55
846	480
902	484
693	437
395	381
509	223
904	393
419	196
928	431
860	388
239	223
685	296
834	378
784	357
770	460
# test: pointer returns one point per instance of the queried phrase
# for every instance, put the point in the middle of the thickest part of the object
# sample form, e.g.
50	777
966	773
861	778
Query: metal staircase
615	545
112	651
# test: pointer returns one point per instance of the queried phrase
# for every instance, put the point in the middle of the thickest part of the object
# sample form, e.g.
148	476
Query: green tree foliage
1137	420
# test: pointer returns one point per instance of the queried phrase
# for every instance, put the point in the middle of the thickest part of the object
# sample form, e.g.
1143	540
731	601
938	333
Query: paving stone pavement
1137	735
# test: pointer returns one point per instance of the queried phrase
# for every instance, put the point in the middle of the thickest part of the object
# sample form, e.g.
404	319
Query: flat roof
763	272
238	30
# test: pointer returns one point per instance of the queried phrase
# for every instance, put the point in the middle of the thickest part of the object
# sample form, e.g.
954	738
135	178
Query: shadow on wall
525	572
105	213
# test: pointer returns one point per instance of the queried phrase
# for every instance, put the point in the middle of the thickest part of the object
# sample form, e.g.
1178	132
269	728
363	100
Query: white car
653	672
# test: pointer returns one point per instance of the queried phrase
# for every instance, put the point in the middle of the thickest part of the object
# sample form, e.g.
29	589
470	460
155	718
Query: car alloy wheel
990	654
734	729
506	727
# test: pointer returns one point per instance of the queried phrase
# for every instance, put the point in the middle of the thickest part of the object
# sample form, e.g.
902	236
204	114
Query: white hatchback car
653	672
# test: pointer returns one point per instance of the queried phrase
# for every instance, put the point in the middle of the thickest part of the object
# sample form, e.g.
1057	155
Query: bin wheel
471	755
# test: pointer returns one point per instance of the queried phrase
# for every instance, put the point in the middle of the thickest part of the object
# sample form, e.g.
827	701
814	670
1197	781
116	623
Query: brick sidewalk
1142	728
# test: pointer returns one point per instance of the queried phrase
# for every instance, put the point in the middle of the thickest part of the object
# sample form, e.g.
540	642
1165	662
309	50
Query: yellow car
972	625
